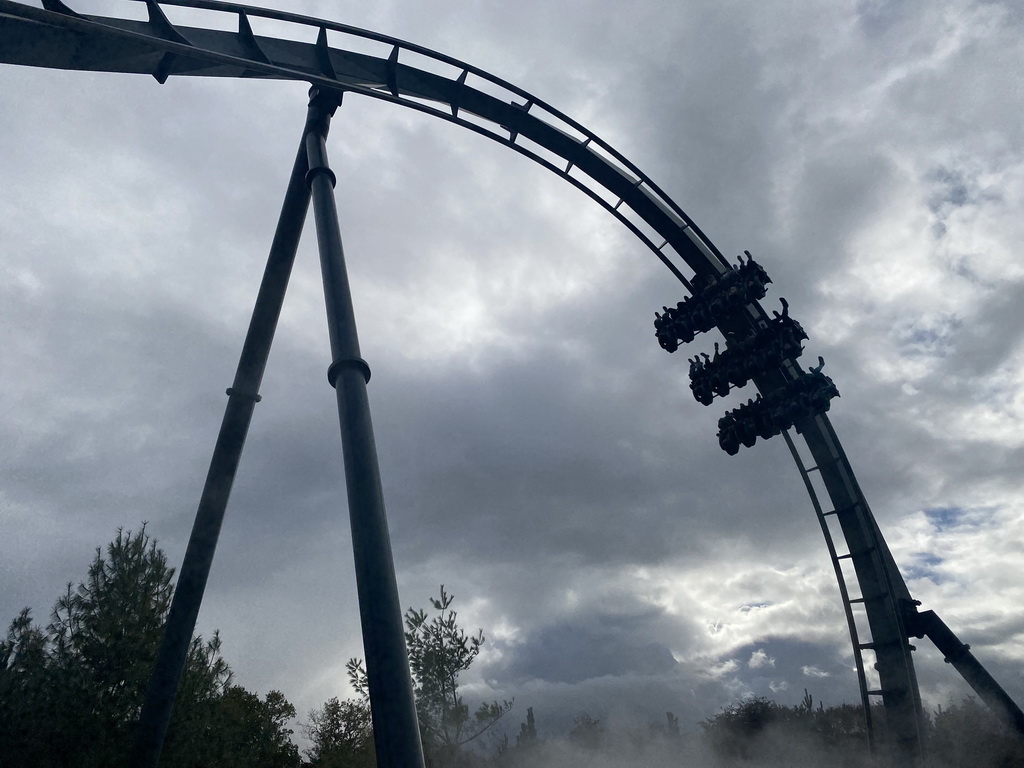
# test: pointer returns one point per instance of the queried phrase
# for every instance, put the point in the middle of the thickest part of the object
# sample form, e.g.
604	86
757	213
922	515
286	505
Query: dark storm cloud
600	645
547	472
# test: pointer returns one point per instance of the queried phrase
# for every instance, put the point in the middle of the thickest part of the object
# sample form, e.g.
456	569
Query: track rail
518	120
844	590
58	37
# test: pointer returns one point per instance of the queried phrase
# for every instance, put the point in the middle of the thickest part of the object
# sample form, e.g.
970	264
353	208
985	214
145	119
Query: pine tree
439	651
71	693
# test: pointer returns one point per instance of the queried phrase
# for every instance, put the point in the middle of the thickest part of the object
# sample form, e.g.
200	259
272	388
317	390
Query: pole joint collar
232	392
312	173
352	362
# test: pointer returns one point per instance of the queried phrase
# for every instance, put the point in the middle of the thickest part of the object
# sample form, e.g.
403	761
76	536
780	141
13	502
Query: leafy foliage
71	694
25	700
967	735
341	734
439	650
586	731
763	732
253	733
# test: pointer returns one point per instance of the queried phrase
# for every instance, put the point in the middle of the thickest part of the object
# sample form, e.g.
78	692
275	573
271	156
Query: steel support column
395	726
887	600
242	398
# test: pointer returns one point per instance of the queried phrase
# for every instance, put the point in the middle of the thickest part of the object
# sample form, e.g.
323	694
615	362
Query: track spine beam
180	51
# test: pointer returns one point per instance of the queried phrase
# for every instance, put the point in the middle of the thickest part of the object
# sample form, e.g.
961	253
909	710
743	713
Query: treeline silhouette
71	692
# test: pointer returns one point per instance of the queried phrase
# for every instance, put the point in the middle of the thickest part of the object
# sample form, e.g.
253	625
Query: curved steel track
452	90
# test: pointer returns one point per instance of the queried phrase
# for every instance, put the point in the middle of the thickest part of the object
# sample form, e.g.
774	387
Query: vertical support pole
887	598
242	398
395	726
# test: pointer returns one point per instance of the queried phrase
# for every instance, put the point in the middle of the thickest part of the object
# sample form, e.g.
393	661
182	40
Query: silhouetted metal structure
58	37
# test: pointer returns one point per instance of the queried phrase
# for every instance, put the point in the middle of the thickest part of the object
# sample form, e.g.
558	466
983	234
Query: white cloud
810	671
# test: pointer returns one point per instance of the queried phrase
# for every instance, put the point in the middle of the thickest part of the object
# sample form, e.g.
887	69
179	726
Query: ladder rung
891	644
844	509
876	692
848	555
862	599
833	512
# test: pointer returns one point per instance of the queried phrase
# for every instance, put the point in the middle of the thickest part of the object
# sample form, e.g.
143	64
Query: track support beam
242	398
959	655
395	725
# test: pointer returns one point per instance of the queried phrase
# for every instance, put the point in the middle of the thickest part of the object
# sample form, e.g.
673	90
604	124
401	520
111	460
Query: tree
968	735
586	731
527	735
439	650
341	734
733	732
104	636
526	744
772	734
71	694
24	703
667	731
253	733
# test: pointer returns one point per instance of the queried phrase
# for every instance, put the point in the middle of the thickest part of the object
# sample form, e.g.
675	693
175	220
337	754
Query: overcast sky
541	456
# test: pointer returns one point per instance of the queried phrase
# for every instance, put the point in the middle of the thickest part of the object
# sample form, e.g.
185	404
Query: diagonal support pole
395	726
242	398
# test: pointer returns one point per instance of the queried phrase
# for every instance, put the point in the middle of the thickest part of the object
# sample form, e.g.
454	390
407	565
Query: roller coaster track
55	36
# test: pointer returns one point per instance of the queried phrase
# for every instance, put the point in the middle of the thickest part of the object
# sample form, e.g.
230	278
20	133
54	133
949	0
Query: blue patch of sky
933	339
951	189
925	566
944	518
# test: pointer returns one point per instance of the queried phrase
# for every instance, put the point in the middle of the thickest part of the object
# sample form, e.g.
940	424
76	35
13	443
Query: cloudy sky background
542	457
